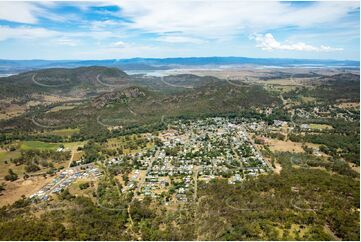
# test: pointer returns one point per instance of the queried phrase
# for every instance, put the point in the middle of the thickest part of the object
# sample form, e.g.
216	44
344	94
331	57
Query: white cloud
25	32
268	42
21	12
221	19
179	39
66	42
123	51
119	44
63	38
100	25
29	12
190	19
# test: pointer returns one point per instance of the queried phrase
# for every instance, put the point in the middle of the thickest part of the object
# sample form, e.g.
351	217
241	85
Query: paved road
195	195
236	154
255	147
141	182
75	169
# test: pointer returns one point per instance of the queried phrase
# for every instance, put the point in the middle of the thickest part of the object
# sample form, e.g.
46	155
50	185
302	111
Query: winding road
109	85
174	85
44	85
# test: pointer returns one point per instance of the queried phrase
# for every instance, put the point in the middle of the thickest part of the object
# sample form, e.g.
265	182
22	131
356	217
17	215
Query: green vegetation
12	176
300	203
267	208
2	188
37	145
343	141
313	197
84	185
65	132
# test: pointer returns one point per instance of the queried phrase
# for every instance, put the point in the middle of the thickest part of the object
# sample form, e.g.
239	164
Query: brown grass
14	190
11	111
349	105
284	146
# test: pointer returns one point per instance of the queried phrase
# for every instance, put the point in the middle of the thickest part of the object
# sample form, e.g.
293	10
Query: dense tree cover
308	160
266	208
85	220
329	89
91	152
343	140
336	145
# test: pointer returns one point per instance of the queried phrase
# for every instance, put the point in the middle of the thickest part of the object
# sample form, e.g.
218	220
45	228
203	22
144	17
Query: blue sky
179	28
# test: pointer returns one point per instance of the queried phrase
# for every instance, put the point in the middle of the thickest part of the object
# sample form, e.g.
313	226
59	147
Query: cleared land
64	132
59	108
319	126
284	146
38	145
14	190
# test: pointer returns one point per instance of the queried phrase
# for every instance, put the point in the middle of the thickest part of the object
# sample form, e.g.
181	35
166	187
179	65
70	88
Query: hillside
129	105
59	81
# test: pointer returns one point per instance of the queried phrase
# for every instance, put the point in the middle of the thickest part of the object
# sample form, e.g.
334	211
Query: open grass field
284	146
78	155
319	126
308	99
115	143
60	108
64	132
4	168
88	192
38	145
349	105
74	145
292	232
280	88
7	155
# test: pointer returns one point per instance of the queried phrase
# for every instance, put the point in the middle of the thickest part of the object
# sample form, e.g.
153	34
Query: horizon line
184	57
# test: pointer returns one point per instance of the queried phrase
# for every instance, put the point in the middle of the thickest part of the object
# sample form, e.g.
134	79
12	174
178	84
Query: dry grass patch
11	111
60	108
349	105
88	192
14	190
320	126
284	146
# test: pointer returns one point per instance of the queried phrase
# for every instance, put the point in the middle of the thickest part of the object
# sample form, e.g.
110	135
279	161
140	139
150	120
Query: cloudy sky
178	28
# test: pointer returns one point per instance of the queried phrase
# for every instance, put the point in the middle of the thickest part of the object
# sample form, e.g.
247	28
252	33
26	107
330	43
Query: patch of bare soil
14	190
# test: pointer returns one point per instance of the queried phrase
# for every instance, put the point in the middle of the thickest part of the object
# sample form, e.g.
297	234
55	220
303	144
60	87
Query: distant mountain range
17	66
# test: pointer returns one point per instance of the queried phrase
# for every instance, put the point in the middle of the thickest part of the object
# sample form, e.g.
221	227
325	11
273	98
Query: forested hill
135	105
62	81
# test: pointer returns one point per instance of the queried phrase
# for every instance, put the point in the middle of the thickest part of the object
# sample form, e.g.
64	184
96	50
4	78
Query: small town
187	152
